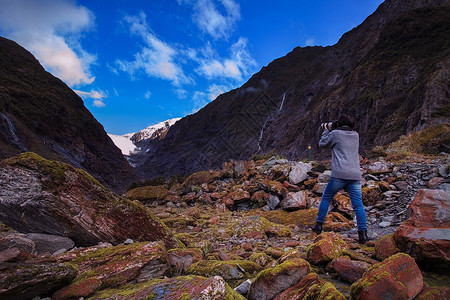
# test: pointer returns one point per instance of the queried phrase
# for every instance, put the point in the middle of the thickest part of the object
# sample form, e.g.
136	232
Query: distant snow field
126	145
123	142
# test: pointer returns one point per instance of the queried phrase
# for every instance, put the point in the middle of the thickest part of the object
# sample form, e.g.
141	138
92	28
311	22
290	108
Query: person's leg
354	190
333	186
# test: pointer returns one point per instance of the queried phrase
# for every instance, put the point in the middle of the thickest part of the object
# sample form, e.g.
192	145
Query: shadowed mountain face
391	72
40	113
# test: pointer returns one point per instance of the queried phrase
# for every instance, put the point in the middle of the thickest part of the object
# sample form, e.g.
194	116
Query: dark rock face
39	113
390	72
34	280
41	196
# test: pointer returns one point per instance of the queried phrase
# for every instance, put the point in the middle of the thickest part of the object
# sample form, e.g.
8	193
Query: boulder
230	270
326	247
272	281
14	255
426	234
17	240
47	243
371	195
386	247
378	167
181	259
319	188
197	179
181	287
311	287
239	196
348	270
147	193
29	280
273	202
299	172
295	201
343	205
100	268
434	293
42	196
260	198
397	277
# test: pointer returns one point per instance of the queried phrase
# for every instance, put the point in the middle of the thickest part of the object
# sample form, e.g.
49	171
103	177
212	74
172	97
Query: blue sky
139	62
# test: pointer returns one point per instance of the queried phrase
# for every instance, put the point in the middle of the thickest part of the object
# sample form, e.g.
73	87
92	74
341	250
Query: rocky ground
242	232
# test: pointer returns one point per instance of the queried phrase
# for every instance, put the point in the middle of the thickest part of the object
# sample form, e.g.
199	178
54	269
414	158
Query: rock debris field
242	232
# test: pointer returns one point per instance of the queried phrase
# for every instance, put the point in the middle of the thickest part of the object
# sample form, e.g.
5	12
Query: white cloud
217	18
156	58
200	99
147	95
215	90
51	29
97	96
181	93
238	64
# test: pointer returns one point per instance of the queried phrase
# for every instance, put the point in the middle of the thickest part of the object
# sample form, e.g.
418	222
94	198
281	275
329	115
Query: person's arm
327	139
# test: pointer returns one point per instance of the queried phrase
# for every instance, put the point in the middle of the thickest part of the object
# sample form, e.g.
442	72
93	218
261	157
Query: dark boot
317	228
363	238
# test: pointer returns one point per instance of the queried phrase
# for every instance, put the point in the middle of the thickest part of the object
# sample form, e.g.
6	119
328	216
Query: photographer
340	137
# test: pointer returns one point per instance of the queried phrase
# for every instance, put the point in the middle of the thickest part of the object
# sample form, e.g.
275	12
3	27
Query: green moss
252	223
269	274
55	169
427	141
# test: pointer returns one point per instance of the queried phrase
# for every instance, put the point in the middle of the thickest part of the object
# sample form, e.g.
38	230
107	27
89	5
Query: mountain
156	131
132	145
39	113
391	72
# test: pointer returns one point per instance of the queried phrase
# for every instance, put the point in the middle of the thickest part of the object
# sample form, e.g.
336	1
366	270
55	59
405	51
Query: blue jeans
353	187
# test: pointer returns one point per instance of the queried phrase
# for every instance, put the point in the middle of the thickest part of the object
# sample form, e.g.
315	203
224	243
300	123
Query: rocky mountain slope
391	72
40	113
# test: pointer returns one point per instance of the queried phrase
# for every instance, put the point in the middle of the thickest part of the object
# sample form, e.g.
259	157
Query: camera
329	126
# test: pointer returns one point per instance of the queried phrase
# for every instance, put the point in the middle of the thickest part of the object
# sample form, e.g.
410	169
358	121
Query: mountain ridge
391	90
41	114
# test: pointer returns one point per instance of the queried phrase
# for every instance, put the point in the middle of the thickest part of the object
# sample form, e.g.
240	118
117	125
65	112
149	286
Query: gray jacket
344	145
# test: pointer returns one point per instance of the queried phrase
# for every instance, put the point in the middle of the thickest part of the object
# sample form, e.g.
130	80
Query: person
343	140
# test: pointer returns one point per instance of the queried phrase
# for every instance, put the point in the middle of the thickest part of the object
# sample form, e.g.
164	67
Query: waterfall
282	101
261	135
10	127
264	126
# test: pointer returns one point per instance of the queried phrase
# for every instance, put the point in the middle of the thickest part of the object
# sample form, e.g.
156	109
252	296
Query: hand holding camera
329	126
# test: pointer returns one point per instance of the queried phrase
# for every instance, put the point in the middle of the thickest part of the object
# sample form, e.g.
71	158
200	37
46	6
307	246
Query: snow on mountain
154	131
126	142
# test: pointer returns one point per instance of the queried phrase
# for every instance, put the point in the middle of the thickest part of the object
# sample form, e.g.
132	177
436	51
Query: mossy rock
251	224
386	247
232	271
177	288
204	245
55	169
311	287
302	218
270	282
62	200
261	258
326	247
147	193
113	266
